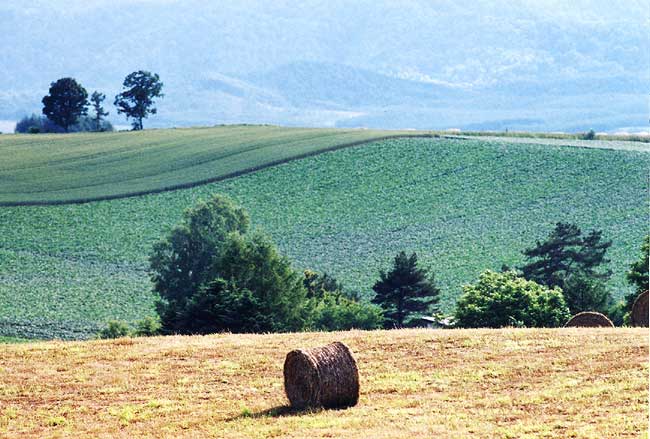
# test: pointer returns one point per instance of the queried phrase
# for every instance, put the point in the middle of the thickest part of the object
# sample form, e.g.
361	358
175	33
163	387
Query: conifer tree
405	292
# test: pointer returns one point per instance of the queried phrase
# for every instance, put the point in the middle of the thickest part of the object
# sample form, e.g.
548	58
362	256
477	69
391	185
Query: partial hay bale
639	315
589	319
325	376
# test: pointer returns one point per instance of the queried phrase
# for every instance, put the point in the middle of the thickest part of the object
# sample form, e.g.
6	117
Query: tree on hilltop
97	98
137	100
66	102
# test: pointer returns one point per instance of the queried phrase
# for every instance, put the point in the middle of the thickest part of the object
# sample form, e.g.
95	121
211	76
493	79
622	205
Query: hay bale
639	315
325	376
589	319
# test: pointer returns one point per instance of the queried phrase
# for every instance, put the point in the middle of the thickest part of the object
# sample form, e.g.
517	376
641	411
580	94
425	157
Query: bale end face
589	319
326	376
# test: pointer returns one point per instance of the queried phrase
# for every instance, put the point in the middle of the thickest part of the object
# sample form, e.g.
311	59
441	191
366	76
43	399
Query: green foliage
188	257
335	312
115	329
65	103
589	135
36	124
137	101
584	293
97	98
190	268
147	327
566	253
405	292
463	205
503	299
222	306
569	260
638	275
318	284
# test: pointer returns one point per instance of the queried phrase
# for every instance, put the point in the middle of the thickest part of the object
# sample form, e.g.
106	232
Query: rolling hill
463	205
56	168
511	383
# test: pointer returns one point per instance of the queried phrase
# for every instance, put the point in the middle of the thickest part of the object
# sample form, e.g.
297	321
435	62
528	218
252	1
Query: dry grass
566	383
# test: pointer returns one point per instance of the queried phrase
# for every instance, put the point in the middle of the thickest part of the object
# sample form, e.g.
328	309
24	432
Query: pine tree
564	253
405	292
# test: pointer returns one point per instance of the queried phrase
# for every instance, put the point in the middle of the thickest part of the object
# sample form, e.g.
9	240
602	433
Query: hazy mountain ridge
392	64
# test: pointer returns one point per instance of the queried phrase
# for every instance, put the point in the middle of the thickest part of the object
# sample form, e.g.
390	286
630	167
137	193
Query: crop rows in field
463	205
50	169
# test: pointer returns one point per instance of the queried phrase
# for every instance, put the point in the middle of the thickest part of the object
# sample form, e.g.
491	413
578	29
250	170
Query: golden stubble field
511	383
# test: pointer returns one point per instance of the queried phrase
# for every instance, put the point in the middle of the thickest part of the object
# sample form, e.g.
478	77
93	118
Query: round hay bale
639	313
325	376
589	319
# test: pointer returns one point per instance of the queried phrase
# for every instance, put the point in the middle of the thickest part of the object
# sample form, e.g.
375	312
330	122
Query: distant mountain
386	63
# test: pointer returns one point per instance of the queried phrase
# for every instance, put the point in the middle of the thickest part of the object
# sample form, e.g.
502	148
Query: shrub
583	293
147	327
115	329
335	312
504	299
35	124
590	135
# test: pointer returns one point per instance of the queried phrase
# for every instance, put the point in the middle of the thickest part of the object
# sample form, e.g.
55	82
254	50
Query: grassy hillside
88	166
512	383
463	205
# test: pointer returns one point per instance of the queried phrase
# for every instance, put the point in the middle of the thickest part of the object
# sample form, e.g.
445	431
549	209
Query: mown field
88	166
463	205
511	383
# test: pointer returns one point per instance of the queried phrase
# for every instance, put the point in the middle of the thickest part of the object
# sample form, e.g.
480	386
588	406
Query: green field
90	166
463	205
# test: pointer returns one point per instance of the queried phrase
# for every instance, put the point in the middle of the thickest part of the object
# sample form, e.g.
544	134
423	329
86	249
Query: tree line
65	107
212	274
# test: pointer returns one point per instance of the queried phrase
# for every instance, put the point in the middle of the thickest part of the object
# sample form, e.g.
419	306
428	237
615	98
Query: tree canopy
65	103
97	98
405	292
565	252
505	299
137	100
211	275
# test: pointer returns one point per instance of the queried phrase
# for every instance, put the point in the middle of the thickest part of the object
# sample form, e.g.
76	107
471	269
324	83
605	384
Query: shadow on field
280	411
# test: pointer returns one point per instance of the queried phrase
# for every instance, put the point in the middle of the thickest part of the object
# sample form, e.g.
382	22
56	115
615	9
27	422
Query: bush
147	327
35	124
583	293
590	135
504	299
115	329
335	312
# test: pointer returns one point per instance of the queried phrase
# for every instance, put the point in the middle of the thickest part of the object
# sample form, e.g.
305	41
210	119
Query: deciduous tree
137	101
65	103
